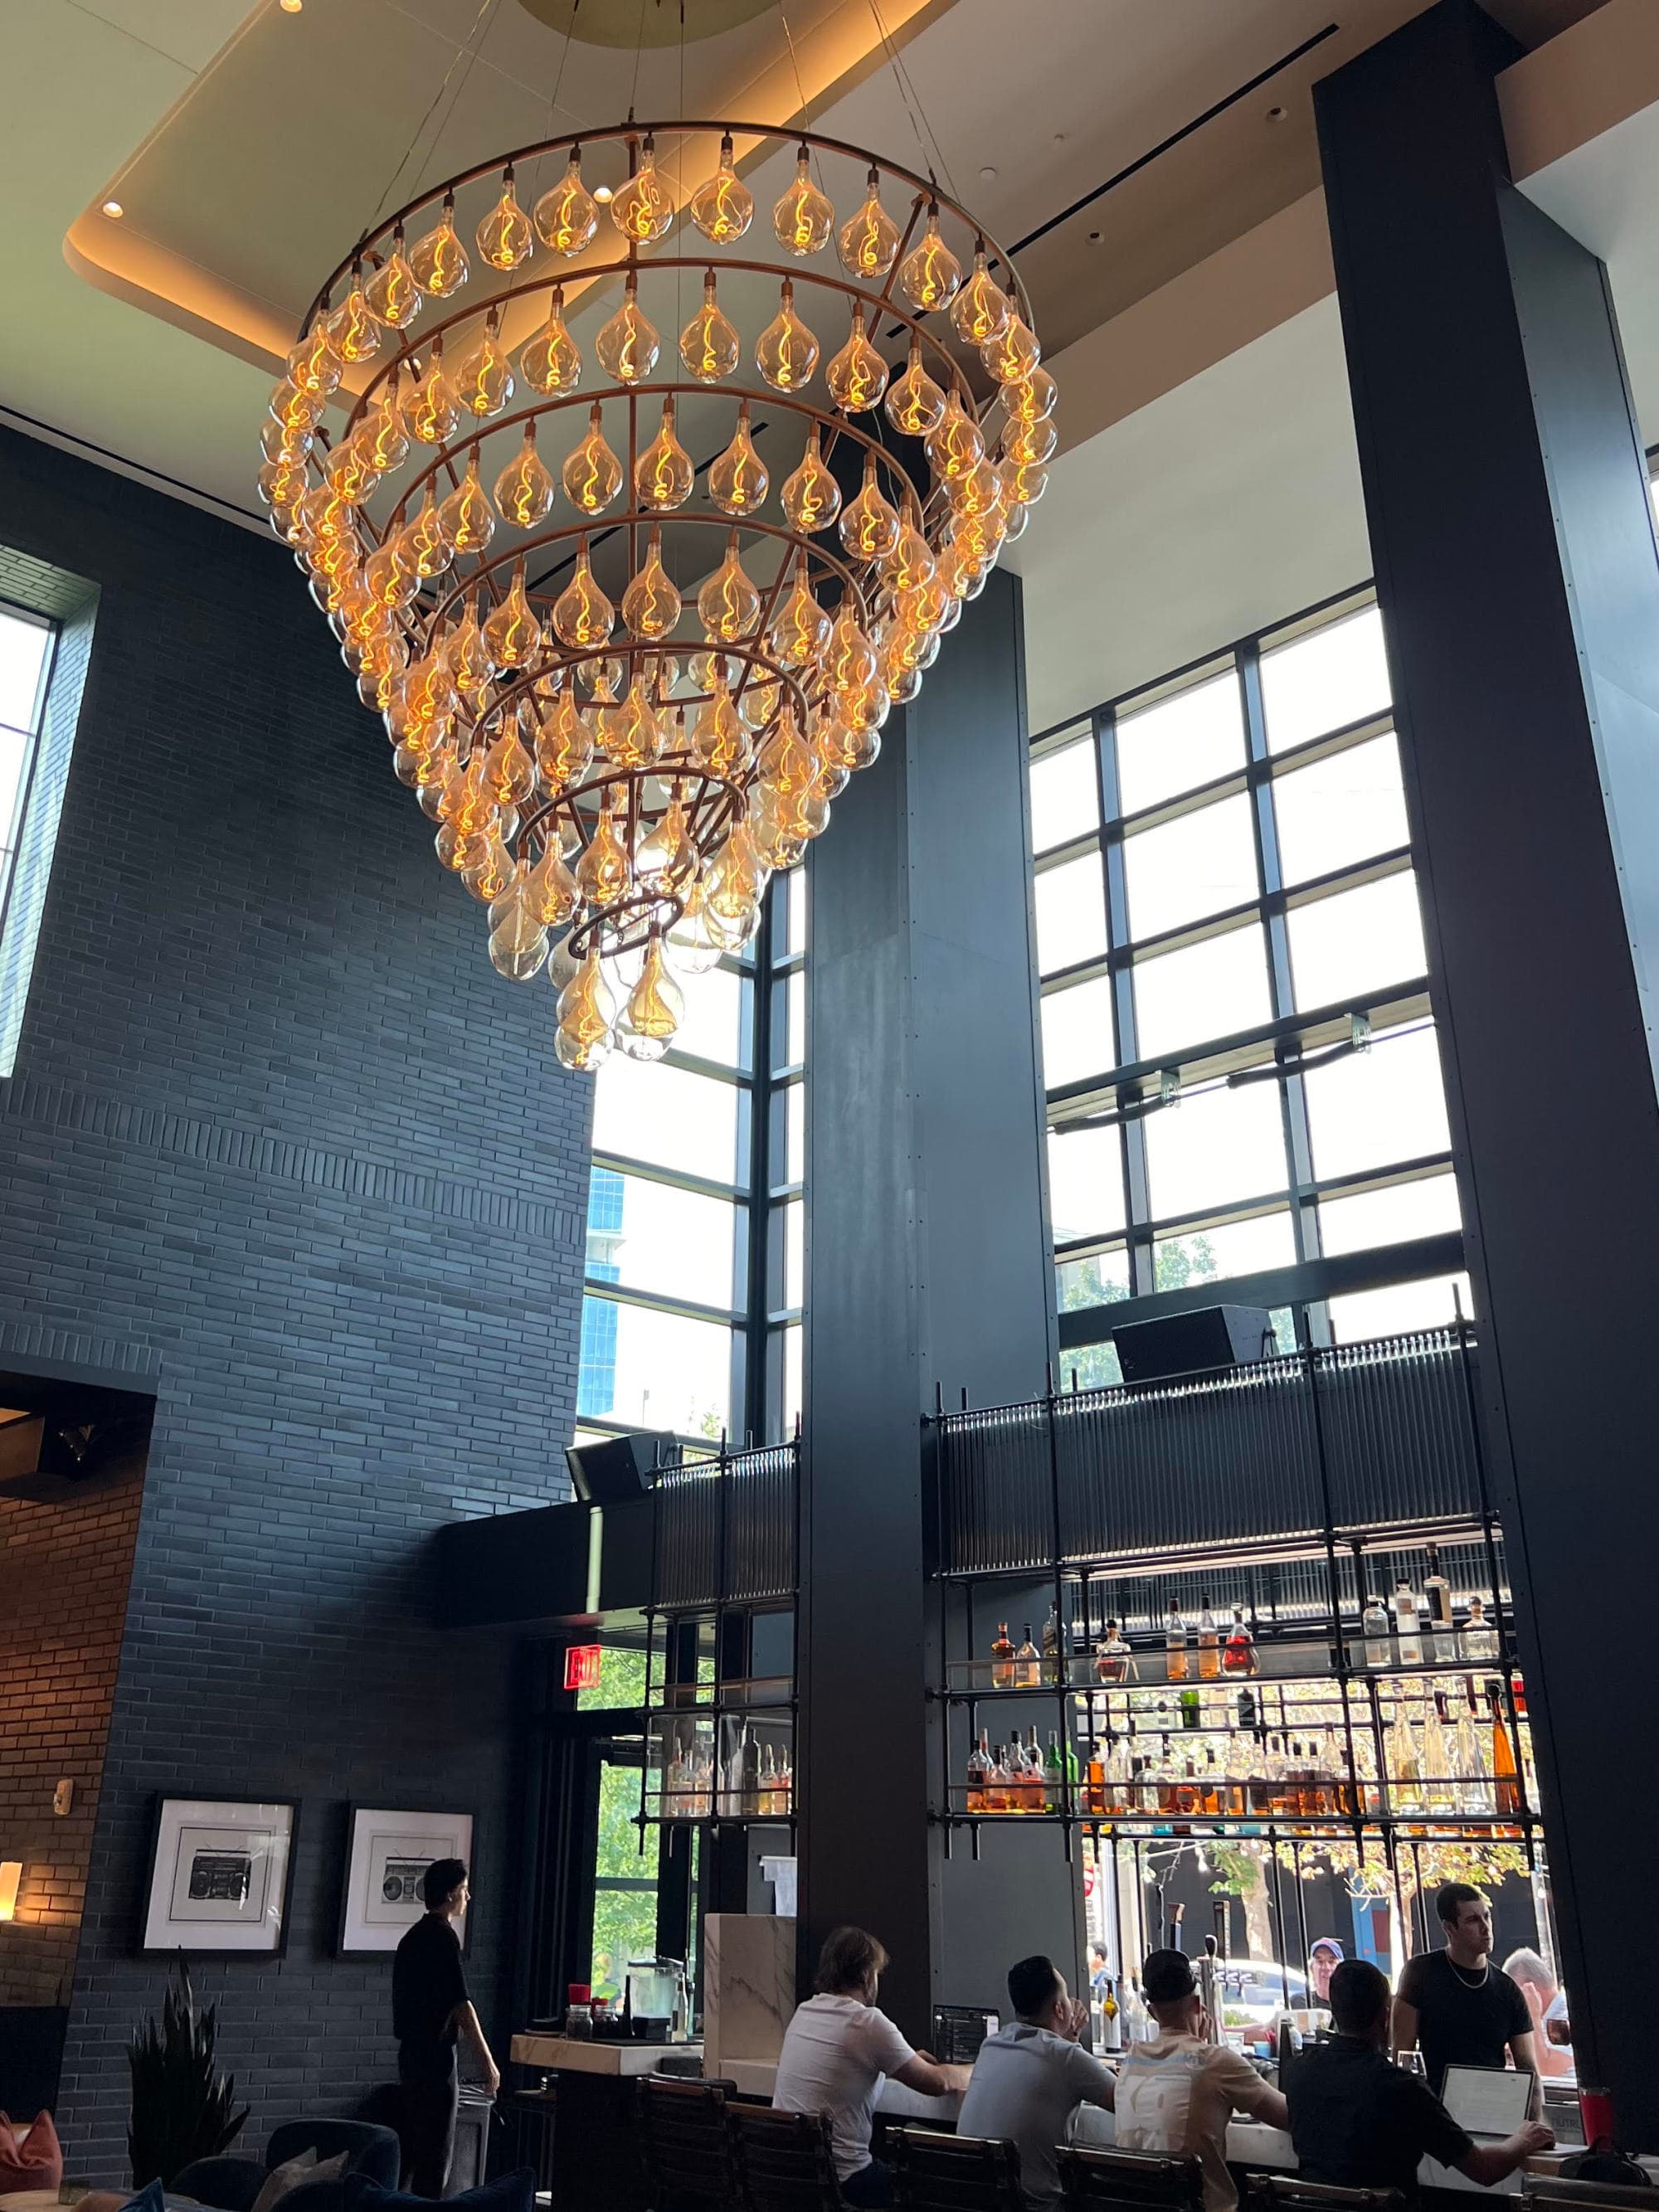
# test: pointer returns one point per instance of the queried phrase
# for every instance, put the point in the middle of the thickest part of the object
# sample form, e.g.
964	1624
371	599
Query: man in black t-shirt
1359	2123
1455	2005
431	2012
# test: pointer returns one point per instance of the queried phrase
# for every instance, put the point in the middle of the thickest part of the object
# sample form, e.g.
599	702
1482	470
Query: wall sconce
11	1877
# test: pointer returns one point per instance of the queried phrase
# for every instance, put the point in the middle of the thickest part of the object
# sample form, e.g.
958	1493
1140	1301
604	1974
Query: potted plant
181	2104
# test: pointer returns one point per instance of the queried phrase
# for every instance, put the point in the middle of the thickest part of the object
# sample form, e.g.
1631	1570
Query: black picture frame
361	1933
208	1825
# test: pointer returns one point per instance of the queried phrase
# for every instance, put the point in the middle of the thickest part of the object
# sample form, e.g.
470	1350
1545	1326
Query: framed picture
387	1855
220	1874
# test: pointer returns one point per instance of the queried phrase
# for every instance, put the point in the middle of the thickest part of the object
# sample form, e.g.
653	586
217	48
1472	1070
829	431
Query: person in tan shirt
1176	2094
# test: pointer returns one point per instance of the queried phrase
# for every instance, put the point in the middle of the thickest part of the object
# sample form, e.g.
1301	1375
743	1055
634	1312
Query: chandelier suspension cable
467	52
934	162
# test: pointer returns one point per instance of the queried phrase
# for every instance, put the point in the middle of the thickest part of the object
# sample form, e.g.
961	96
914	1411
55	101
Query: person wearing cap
1176	2094
1324	1957
1030	2076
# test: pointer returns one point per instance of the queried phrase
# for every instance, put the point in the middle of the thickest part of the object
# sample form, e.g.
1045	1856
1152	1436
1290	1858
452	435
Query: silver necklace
1486	1971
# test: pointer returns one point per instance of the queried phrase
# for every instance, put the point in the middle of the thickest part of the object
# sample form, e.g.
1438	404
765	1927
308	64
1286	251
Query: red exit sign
581	1665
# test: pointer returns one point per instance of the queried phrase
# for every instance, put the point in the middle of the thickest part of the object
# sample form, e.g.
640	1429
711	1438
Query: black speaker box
1194	1343
611	1472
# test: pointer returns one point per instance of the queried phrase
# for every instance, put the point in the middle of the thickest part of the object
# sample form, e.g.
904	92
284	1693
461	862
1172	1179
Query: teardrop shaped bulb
664	474
728	605
980	310
857	375
465	517
391	295
484	382
525	489
802	218
709	344
432	410
593	474
512	636
930	274
352	330
582	615
551	361
642	209
651	605
567	215
955	446
738	480
914	403
438	261
655	1009
870	524
627	345
504	237
1013	353
723	207
810	495
786	353
1031	398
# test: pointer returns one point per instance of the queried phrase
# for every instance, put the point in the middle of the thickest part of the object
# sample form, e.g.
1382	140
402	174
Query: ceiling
248	147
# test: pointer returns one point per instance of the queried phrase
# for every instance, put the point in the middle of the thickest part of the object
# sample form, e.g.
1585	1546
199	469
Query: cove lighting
11	1877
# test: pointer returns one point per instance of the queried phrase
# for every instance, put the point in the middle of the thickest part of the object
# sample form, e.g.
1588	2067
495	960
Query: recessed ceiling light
1276	115
602	194
987	175
114	209
291	7
1095	237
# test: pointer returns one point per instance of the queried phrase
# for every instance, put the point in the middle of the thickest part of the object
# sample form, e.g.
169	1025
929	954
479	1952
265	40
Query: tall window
1241	1071
691	1313
25	651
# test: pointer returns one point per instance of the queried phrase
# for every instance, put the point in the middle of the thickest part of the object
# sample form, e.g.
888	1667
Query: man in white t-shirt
836	2051
1176	2094
1031	2076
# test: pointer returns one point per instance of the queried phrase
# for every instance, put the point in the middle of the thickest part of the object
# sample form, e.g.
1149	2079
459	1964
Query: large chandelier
634	611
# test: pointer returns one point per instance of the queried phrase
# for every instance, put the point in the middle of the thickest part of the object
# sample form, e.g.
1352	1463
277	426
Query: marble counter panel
748	1988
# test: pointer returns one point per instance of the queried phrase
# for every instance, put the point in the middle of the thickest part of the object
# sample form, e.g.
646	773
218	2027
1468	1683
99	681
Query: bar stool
1288	2192
933	2171
1542	2193
688	2157
784	2159
1129	2181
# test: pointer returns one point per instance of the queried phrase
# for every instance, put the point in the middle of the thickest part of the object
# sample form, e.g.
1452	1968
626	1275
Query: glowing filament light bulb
868	242
664	475
349	473
738	480
802	218
582	615
426	550
914	403
568	215
509	772
1013	353
294	409
955	446
719	743
602	872
391	295
504	237
1030	398
1027	444
857	375
380	436
465	518
512	636
930	273
786	353
709	344
586	1011
728	605
314	366
810	495
870	524
627	345
980	310
723	207
851	659
432	410
642	210
523	490
467	658
484	382
911	562
438	261
352	330
651	605
593	474
564	744
551	361
518	939
800	628
655	1009
630	731
1024	481
550	890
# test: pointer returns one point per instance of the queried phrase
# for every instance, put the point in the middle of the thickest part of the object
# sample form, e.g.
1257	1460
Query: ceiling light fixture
602	194
114	209
291	7
618	797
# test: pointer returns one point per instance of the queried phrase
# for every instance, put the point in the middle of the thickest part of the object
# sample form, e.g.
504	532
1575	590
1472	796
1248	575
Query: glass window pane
1375	1107
666	1116
794	1134
792	1377
794	891
1401	1306
1076	1032
1232	1247
794	1254
1071	913
714	1026
1215	1147
14	746
1194	865
650	1236
1100	1280
1204	991
1340	810
1065	795
795	1041
1325	680
22	648
1092	1367
1356	942
1085	1182
1185	740
1427	1207
656	1371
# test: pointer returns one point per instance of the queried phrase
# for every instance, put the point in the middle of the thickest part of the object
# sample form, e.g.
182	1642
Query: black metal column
925	1265
1516	563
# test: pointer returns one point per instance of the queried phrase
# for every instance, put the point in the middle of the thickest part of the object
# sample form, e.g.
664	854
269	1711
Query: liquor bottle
1434	1758
979	1774
1209	1644
1379	1645
997	1783
1037	1778
1468	1754
1055	1796
1405	1775
1028	1664
1405	1621
1191	1709
1112	1655
1246	1709
1094	1787
1239	1656
1438	1604
1002	1660
1051	1668
767	1800
1174	1644
748	1773
1506	1786
786	1786
1111	2019
1479	1637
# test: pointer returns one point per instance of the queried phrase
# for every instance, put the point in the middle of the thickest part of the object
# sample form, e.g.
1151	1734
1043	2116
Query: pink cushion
30	2157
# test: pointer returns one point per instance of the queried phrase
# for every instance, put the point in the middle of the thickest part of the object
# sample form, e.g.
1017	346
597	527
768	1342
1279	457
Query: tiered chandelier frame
613	859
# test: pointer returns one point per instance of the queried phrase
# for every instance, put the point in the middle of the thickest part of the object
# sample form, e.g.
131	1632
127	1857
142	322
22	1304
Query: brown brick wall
64	1575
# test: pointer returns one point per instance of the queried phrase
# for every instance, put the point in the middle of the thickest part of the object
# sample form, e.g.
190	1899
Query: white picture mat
226	1847
1488	2100
401	1844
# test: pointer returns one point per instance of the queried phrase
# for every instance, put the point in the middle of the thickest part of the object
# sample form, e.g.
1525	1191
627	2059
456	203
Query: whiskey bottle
1238	1656
748	1773
979	1774
1112	1655
1438	1604
1506	1786
1051	1667
998	1781
1406	1625
1405	1775
1209	1644
1379	1645
1174	1644
1469	1763
1054	1778
1002	1660
1111	2024
767	1802
1028	1664
1479	1637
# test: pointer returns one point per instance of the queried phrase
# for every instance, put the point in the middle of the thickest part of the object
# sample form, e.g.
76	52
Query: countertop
557	2054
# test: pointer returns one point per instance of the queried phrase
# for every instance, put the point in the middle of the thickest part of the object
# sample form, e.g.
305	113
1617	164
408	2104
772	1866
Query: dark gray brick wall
280	1140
